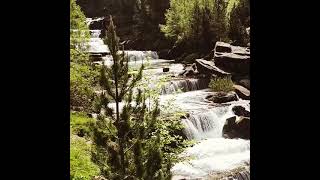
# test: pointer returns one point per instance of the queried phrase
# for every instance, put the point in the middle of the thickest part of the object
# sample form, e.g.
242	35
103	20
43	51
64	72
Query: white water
212	153
96	44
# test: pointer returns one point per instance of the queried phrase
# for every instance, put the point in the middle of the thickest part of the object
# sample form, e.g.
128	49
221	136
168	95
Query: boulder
240	111
209	68
233	63
240	50
188	72
165	70
232	59
237	127
222	47
242	92
222	97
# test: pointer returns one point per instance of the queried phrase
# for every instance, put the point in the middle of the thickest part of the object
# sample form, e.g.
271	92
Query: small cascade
96	44
184	85
136	58
141	55
209	124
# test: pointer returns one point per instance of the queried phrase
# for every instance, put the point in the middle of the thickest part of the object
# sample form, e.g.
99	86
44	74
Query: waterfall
184	85
141	55
209	124
96	44
212	153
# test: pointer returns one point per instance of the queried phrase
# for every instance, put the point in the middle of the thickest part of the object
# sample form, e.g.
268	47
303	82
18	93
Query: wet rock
237	127
222	97
189	71
222	47
232	59
233	63
242	92
194	66
165	70
209	68
240	111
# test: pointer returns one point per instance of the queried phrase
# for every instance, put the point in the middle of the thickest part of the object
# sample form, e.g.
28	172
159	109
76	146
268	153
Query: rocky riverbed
219	123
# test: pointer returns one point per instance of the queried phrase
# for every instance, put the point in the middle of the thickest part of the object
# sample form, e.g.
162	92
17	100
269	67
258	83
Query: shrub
224	84
81	166
80	124
82	80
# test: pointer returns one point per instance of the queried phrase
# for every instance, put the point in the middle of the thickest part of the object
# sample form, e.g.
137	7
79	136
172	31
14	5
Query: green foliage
81	167
140	141
224	84
79	34
81	124
82	80
200	23
82	76
239	21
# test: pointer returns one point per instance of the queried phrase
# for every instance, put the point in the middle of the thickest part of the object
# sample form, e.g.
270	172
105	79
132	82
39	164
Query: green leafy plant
197	24
223	84
81	124
141	140
81	166
82	80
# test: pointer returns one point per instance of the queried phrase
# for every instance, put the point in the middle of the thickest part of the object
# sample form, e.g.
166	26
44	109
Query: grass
80	124
224	84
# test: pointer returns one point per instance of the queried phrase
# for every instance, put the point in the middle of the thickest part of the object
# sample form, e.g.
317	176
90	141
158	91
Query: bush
221	84
81	166
80	124
82	80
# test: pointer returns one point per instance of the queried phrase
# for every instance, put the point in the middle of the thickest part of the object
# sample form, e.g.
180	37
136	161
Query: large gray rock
242	92
222	47
222	97
232	59
237	127
209	68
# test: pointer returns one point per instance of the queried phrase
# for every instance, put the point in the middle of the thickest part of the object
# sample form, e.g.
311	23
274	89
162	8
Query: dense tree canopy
200	23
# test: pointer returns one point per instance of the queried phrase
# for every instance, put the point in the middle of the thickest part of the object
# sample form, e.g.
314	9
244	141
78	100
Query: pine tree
122	139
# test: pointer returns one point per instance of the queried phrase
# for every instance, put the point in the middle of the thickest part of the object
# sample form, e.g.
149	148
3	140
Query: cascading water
96	44
212	153
184	85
